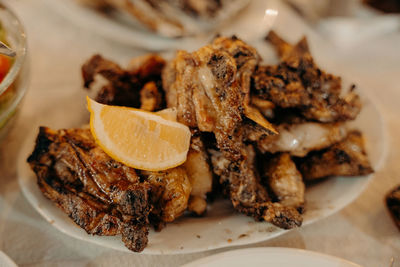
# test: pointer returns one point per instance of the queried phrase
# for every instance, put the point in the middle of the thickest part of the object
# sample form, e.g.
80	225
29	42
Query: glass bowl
14	84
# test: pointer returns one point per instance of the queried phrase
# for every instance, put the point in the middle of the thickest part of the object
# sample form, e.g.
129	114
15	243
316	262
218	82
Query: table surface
362	232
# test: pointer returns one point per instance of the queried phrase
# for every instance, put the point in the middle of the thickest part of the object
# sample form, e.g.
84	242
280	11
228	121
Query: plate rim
206	260
6	261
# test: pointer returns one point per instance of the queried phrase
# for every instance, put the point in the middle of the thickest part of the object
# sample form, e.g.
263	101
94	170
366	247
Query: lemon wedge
137	138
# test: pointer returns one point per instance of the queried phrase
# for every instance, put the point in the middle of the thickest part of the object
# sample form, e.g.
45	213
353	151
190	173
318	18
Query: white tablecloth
362	232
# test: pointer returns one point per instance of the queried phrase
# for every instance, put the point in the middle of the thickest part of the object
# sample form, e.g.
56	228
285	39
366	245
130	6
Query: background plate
282	257
134	35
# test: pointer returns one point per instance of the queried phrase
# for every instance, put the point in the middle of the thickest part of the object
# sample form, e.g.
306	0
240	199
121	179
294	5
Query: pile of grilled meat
259	132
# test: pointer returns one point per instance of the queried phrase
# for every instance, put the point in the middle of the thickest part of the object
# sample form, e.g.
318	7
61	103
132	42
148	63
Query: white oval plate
131	35
221	227
261	257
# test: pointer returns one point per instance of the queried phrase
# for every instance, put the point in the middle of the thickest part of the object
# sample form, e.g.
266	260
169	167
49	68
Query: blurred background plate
252	21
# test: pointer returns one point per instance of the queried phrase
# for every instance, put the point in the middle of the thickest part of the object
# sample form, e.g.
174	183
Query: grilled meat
75	151
299	139
210	89
170	194
91	214
150	97
123	87
199	173
217	72
100	195
284	180
346	158
178	78
393	204
147	68
246	59
224	96
87	179
297	82
241	183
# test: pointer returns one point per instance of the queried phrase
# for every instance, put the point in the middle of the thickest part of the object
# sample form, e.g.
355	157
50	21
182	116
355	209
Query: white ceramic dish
5	261
222	227
261	257
128	34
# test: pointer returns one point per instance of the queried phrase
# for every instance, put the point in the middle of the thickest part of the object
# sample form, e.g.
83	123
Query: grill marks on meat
93	216
123	87
393	204
101	195
297	82
67	163
119	182
346	158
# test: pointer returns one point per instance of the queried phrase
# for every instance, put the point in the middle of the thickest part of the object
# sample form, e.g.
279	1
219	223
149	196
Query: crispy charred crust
123	86
211	90
90	214
135	237
393	205
98	65
43	142
346	158
122	89
297	82
275	213
94	216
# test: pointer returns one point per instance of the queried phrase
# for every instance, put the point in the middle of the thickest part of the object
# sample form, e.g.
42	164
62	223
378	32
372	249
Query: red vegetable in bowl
4	66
